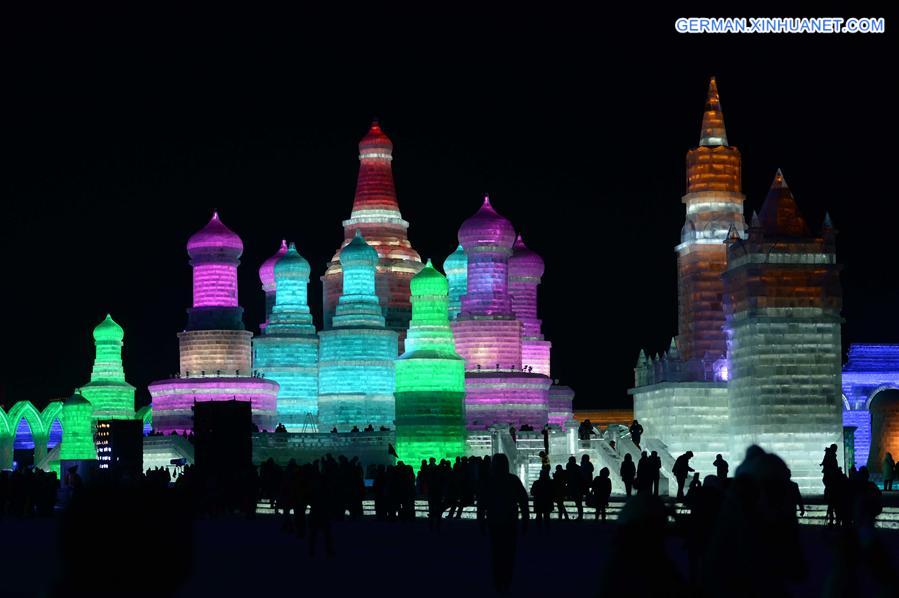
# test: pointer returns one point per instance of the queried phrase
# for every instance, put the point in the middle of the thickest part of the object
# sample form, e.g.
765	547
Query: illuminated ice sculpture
215	349
356	358
757	358
77	430
267	278
376	214
108	392
430	377
488	335
287	351
782	302
456	268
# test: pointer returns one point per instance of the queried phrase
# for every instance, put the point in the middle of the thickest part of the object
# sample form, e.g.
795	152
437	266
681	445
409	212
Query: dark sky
119	138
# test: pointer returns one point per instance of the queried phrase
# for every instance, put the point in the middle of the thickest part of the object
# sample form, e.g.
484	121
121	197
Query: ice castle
757	359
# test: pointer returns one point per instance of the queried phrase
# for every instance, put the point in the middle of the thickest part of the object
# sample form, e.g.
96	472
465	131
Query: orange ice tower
714	206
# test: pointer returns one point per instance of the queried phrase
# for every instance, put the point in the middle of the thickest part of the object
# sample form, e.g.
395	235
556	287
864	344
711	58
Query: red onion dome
215	239
488	228
376	143
525	262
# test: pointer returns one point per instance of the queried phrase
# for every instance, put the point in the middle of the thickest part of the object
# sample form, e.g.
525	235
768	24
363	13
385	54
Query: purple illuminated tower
525	272
489	336
215	348
267	278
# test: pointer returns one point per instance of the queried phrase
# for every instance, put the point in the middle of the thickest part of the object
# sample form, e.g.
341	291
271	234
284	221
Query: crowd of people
26	492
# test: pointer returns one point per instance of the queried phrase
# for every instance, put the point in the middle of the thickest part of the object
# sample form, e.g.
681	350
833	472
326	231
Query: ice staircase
160	450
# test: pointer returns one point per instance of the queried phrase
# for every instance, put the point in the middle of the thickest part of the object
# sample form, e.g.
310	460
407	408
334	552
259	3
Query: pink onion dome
486	228
376	143
524	261
267	269
215	239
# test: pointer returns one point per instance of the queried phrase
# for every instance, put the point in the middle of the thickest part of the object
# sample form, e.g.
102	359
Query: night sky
119	140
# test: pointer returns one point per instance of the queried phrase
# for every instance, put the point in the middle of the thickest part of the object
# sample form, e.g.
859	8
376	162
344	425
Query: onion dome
358	253
215	239
267	269
292	265
429	281
525	262
457	260
488	228
108	330
375	144
76	399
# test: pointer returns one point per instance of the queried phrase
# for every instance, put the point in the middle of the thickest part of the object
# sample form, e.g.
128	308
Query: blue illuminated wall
870	369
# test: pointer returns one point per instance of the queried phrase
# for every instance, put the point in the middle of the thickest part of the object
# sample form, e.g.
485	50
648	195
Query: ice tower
430	377
681	397
267	278
525	272
287	352
356	364
488	335
77	430
376	214
714	205
216	356
108	392
456	268
783	301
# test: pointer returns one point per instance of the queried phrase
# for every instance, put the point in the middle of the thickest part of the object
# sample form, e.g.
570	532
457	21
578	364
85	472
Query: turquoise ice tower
456	268
430	377
287	351
356	360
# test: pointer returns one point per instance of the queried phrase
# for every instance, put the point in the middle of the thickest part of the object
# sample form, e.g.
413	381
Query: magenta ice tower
488	334
215	349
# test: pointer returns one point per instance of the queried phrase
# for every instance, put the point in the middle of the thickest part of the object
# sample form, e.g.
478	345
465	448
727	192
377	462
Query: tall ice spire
714	211
376	214
713	132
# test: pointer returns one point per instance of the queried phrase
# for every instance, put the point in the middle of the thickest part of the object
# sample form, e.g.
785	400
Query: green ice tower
77	430
108	393
430	378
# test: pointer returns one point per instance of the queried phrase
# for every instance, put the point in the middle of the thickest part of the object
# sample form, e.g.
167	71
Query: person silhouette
644	480
576	486
601	489
542	492
887	469
721	467
636	433
655	469
560	491
628	471
506	497
681	469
